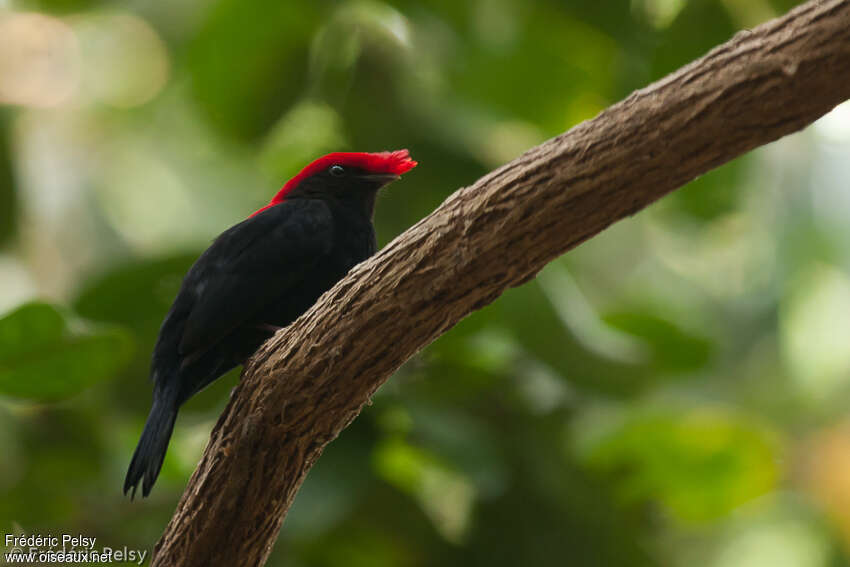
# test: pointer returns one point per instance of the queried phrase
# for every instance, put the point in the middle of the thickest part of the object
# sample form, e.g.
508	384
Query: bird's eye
336	170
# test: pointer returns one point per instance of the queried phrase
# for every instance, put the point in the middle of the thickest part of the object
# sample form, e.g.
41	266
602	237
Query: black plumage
256	277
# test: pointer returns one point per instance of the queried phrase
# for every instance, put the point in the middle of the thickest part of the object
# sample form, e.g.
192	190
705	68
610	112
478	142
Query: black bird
257	277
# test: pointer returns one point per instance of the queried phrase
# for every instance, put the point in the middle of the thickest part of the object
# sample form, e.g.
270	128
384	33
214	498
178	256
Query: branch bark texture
312	379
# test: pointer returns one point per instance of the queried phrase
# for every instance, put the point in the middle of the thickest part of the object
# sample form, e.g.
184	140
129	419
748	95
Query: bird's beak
382	178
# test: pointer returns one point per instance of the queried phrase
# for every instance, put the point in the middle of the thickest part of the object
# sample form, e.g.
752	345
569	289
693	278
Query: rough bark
312	379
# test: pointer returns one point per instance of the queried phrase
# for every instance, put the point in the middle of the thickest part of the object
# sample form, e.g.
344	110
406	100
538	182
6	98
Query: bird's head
355	176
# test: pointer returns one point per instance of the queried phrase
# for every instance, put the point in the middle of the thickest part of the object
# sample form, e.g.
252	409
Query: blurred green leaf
711	195
445	494
567	55
673	349
31	326
135	294
681	43
249	65
309	129
700	465
404	465
326	498
362	545
41	358
552	512
529	316
462	441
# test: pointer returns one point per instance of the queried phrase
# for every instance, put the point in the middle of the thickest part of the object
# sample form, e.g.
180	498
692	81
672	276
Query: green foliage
245	99
712	195
672	349
42	358
700	464
136	294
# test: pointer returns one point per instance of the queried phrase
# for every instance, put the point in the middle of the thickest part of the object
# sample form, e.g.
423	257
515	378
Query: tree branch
311	380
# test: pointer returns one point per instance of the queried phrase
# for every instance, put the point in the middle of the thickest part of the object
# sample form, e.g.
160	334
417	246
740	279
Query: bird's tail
147	460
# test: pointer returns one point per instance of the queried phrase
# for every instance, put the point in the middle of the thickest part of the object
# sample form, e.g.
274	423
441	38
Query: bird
257	277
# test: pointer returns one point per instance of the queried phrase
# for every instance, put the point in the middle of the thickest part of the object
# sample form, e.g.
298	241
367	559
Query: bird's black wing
250	266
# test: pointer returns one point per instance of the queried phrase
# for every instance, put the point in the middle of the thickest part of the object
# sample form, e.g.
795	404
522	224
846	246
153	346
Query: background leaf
42	359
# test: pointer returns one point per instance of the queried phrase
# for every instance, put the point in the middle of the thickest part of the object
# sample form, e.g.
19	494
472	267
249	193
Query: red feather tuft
396	162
